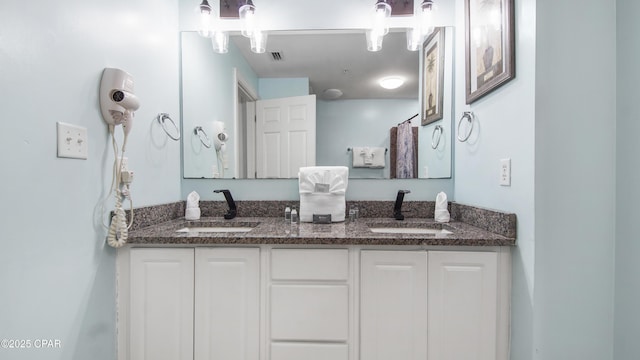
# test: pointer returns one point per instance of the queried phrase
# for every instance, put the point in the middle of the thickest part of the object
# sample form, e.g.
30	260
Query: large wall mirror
326	75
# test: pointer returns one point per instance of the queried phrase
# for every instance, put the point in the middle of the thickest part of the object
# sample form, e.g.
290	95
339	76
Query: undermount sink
223	229
408	230
217	227
402	227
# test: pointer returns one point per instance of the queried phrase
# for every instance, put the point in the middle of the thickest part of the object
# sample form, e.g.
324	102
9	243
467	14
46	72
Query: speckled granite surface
470	226
271	230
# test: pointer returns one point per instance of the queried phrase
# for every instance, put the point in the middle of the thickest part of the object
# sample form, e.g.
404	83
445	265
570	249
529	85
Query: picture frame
433	76
490	46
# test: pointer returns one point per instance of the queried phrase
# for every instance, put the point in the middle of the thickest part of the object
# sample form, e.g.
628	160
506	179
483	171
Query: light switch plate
72	141
505	172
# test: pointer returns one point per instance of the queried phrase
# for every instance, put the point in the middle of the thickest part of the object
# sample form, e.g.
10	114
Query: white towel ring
470	117
161	119
435	141
198	130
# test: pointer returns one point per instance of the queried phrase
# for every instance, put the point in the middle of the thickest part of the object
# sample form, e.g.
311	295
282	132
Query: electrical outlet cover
505	172
72	141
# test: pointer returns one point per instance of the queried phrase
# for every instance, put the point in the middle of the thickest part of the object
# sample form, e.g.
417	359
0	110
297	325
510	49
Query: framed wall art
433	76
490	46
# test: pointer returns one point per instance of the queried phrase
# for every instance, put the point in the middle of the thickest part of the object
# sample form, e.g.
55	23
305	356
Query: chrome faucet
232	212
397	208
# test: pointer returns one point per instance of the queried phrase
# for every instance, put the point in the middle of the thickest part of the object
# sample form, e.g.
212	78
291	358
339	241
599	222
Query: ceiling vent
276	56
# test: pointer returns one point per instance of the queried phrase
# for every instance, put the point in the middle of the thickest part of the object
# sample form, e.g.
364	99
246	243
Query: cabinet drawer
310	264
310	312
294	351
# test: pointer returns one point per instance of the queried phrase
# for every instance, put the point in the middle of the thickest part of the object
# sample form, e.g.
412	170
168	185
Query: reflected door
285	136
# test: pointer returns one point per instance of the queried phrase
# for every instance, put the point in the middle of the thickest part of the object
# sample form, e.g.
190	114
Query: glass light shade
205	12
220	42
381	15
426	16
258	41
247	13
414	38
374	40
391	82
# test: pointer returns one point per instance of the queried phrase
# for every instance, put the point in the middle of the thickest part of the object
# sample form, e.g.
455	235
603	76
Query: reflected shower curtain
405	152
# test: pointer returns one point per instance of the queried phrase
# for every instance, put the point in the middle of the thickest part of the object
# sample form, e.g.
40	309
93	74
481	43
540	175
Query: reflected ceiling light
391	82
205	19
331	94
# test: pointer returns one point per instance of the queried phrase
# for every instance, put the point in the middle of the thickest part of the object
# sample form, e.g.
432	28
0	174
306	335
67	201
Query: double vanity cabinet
313	302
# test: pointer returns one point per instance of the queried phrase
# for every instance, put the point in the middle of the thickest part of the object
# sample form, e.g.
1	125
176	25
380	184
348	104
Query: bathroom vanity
264	289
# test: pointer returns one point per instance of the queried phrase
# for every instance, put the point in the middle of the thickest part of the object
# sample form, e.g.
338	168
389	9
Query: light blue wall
343	124
57	274
282	87
575	141
504	129
208	101
627	295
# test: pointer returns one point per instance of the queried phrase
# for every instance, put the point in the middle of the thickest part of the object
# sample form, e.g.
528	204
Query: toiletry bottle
294	216
287	214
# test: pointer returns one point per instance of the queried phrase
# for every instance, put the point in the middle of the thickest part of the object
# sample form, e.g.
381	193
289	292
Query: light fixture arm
205	7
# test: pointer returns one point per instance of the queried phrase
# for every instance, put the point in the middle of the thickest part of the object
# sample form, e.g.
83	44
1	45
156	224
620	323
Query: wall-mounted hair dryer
220	135
117	104
219	141
117	100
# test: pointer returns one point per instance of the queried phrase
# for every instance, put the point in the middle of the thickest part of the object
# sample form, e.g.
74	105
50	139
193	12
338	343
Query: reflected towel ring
161	119
471	119
198	130
436	141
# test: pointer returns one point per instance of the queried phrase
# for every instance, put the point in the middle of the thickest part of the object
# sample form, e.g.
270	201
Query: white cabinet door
227	304
161	307
393	305
463	303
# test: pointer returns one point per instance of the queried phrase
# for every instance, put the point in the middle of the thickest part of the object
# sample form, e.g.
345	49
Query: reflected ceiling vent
276	56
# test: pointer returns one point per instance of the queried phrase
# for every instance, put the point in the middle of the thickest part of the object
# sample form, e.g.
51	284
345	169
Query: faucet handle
231	213
397	208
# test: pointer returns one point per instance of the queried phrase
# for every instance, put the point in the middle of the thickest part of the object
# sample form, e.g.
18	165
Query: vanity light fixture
391	82
247	13
381	16
205	19
426	16
422	23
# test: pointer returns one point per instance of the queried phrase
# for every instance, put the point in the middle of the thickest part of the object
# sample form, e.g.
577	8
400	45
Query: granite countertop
274	230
